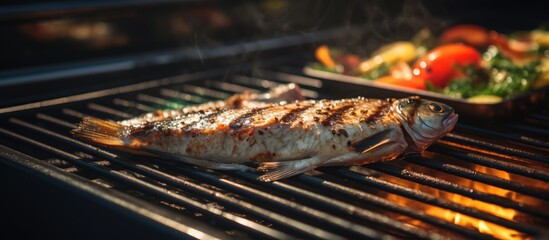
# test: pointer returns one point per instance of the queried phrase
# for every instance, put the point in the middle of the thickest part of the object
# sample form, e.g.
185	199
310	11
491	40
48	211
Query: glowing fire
481	225
464	220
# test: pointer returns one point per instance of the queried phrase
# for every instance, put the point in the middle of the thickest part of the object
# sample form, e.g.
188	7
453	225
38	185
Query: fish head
424	121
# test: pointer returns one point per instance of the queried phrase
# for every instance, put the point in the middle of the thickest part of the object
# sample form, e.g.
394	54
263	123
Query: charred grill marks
335	115
240	120
143	130
294	114
377	114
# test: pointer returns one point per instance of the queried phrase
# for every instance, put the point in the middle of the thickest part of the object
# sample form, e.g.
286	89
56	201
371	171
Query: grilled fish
286	139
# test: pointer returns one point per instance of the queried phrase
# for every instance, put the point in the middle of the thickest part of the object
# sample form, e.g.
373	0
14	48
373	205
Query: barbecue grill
482	181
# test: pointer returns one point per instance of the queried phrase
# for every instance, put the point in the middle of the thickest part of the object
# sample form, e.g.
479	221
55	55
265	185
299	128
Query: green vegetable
321	67
508	79
474	82
380	71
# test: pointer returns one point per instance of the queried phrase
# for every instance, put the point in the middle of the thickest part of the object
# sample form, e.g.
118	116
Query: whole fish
287	138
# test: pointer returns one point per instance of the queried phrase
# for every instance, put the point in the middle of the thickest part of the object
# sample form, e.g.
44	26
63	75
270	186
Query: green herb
472	84
508	79
320	67
432	88
377	72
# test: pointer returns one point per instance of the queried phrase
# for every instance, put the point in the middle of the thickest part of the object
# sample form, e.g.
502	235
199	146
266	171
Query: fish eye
435	107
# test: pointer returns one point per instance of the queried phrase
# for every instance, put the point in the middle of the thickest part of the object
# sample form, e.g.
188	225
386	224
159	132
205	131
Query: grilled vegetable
285	139
473	35
401	75
415	83
485	99
322	54
441	64
388	54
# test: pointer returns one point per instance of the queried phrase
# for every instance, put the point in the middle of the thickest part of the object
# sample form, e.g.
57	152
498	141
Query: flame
474	223
482	226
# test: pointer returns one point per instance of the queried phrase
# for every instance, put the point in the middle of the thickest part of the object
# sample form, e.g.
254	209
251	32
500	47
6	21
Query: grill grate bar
433	200
180	95
542	116
74	113
229	87
493	163
508	135
527	128
391	206
130	104
286	77
481	177
497	147
55	120
244	80
205	92
252	81
156	100
150	188
101	108
455	188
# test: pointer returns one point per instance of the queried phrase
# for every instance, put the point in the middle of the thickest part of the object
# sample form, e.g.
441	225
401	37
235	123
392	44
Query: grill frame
231	182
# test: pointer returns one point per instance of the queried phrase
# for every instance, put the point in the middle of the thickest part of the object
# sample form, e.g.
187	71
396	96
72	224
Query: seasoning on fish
288	138
282	93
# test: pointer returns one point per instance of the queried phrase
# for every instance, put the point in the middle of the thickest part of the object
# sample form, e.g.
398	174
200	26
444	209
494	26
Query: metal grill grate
501	165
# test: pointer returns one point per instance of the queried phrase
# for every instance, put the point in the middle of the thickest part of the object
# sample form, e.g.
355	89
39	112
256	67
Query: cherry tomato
414	82
438	66
474	35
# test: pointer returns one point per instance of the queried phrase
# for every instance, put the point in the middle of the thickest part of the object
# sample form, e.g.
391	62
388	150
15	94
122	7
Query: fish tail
101	131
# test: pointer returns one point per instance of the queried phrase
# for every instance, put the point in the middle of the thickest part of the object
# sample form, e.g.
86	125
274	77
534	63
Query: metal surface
376	201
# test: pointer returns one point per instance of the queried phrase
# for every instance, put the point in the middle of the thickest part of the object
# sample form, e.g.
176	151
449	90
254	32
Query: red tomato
438	66
414	82
471	34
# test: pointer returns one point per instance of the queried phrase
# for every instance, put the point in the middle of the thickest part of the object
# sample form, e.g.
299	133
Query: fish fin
280	170
199	162
372	142
101	131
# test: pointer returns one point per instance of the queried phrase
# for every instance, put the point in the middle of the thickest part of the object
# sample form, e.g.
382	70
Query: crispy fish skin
287	139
